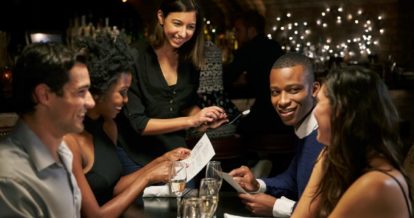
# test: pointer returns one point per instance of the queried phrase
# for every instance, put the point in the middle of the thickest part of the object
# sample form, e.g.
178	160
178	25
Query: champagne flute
212	171
208	193
177	182
192	207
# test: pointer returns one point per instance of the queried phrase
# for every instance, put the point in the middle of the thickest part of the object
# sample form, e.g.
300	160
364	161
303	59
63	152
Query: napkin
227	215
157	191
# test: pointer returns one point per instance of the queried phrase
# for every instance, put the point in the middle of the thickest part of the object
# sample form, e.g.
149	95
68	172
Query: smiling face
292	93
68	111
323	111
111	103
178	27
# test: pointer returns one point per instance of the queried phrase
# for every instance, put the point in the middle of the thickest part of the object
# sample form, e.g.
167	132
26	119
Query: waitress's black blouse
151	97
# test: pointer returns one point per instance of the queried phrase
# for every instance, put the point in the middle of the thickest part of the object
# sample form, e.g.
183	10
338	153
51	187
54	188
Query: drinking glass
208	193
177	182
212	169
192	207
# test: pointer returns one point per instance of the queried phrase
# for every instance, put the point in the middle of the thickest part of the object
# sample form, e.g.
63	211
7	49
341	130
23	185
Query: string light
356	33
358	39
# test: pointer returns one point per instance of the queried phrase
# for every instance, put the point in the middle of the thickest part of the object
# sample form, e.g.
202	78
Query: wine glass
208	193
177	182
212	171
192	207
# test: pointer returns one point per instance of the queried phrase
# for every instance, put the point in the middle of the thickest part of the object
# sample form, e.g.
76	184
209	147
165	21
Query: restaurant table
166	207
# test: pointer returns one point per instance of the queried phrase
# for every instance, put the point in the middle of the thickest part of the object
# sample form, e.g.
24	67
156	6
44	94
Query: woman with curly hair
359	172
96	166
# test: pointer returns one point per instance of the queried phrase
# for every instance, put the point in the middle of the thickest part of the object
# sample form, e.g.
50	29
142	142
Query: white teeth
287	111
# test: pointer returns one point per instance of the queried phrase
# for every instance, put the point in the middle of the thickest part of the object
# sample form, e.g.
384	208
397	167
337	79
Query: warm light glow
318	21
328	40
362	29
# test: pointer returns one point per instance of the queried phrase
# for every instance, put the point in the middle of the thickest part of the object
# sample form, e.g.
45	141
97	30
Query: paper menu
231	181
201	154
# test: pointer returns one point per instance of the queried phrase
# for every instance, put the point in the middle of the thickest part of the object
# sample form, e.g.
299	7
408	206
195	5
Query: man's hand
259	204
245	178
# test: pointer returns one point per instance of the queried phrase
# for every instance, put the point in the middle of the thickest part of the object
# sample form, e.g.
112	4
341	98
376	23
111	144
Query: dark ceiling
52	14
135	15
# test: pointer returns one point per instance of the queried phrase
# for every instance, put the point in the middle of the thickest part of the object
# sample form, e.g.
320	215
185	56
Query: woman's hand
209	115
160	172
212	125
177	154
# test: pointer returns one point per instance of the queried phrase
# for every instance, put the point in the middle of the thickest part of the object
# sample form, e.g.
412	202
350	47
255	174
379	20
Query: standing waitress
163	98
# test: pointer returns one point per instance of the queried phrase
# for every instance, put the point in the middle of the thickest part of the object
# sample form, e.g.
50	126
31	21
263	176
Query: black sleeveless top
407	200
107	168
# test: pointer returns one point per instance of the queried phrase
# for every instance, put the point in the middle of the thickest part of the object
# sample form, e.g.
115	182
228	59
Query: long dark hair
364	122
191	50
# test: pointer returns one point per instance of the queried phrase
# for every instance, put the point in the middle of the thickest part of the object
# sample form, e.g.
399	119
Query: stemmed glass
177	182
192	207
212	171
208	193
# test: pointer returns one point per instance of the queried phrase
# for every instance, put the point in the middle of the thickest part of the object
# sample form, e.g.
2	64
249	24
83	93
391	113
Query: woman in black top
96	166
163	98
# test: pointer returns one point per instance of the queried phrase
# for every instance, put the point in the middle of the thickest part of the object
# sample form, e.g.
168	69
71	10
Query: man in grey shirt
51	97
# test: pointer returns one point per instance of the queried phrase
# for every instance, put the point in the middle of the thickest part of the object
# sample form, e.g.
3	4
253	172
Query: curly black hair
107	58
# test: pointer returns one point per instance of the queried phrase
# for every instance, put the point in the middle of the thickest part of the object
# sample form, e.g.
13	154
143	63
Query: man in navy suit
293	90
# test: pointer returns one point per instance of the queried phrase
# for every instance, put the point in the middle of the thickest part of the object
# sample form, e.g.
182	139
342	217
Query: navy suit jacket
293	180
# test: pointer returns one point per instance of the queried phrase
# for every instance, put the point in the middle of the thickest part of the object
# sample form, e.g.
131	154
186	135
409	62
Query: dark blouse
151	97
106	169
